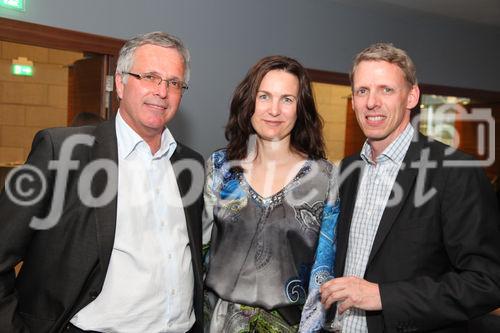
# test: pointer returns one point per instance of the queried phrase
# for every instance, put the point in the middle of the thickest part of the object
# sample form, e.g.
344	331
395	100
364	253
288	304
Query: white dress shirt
149	283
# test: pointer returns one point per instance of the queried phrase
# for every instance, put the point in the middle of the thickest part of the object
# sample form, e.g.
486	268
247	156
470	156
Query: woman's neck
275	164
276	151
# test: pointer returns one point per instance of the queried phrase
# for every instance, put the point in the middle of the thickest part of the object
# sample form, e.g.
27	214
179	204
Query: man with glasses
126	262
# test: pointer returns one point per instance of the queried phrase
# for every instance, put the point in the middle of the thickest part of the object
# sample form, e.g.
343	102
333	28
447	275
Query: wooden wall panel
354	137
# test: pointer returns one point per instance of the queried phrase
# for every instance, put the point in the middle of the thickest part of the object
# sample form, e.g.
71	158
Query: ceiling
475	11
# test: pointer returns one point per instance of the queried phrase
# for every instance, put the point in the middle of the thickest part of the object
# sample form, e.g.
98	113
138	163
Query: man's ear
413	97
119	85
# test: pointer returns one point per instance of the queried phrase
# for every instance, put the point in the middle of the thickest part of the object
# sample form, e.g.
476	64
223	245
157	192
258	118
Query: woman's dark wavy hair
307	134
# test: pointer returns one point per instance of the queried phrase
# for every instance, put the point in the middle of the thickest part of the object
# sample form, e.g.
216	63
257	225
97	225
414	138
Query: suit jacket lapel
184	182
406	180
105	147
349	180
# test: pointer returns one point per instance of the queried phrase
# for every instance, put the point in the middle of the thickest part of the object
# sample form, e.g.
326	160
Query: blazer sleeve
26	195
470	223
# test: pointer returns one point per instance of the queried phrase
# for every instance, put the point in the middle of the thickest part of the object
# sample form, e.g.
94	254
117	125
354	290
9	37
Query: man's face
147	107
382	100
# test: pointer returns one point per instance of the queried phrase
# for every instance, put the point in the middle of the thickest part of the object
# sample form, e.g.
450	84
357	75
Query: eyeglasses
154	79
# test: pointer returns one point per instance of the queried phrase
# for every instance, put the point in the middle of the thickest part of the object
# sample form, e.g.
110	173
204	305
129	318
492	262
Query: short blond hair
391	54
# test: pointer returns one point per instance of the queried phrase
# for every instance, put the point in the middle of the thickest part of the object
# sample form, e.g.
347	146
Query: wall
28	104
331	102
227	36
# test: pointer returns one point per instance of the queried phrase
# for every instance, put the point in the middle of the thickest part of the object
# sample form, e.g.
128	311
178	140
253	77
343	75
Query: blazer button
93	294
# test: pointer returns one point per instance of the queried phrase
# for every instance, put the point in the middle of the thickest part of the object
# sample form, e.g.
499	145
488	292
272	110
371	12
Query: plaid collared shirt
374	189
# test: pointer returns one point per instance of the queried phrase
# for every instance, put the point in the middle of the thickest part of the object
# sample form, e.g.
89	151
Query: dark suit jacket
64	267
437	264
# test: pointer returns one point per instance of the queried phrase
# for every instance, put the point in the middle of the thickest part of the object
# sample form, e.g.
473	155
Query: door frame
57	38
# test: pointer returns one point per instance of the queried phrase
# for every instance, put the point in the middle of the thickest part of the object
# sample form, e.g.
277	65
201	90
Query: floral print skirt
228	317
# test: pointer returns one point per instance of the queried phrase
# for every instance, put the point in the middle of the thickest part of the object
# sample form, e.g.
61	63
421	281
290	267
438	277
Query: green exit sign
13	4
22	70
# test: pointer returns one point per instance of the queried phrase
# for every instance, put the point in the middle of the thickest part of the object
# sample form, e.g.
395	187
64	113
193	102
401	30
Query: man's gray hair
126	57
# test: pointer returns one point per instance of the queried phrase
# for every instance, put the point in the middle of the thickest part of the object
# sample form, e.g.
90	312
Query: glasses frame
142	76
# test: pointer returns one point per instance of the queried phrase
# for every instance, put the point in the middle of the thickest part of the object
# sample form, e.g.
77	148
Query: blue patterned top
262	249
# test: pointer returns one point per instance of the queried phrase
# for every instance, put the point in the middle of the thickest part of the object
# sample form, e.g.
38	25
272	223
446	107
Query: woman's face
276	106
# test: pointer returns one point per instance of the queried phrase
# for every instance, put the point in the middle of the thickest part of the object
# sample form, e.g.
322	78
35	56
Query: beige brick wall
331	101
28	104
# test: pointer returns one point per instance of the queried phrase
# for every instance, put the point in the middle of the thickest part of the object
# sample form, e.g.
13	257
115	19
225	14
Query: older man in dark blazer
107	219
418	243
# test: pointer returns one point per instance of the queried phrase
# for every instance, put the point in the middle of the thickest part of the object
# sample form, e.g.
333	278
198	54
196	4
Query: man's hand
353	292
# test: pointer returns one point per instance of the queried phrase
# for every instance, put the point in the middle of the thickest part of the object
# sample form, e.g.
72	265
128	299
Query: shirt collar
129	140
395	152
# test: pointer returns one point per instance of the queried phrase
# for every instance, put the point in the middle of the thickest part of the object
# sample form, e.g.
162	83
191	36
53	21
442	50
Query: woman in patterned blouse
265	198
